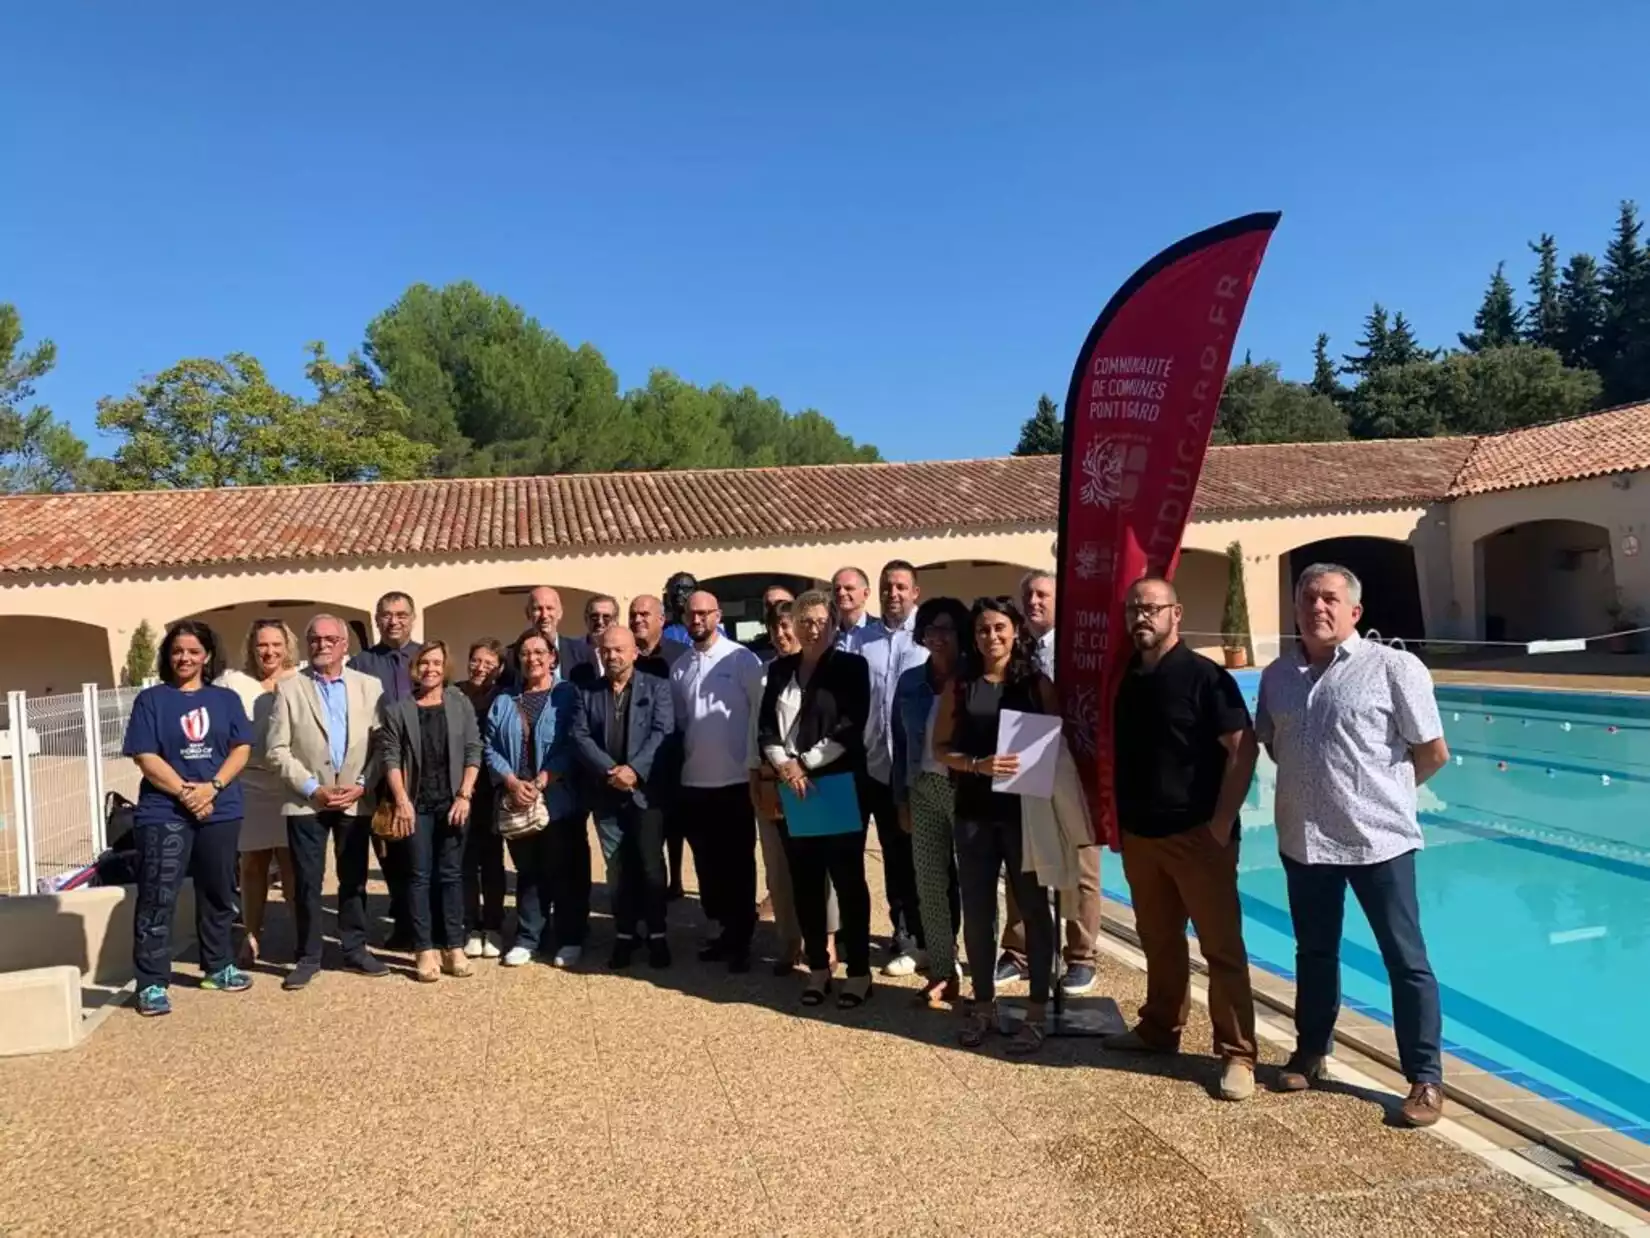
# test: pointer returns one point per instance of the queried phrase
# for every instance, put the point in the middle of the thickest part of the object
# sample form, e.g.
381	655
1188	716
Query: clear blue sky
905	215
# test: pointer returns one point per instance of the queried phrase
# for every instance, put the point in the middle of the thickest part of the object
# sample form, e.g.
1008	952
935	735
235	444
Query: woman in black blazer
812	727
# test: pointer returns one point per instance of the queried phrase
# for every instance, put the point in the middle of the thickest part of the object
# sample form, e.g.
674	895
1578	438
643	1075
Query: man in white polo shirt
1353	726
717	686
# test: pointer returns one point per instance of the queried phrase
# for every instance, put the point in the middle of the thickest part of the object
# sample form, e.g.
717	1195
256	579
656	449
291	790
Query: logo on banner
1111	472
1094	561
1083	712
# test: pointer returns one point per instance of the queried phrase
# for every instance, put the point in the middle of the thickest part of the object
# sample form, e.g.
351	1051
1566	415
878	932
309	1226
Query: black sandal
852	997
819	984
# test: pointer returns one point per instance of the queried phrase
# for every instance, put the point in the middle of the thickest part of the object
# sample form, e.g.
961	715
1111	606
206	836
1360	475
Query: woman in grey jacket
432	754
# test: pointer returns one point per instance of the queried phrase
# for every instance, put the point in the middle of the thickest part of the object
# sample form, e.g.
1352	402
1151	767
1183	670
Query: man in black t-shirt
1185	754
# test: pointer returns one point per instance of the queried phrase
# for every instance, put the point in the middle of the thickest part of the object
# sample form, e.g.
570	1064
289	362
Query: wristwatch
217	784
461	795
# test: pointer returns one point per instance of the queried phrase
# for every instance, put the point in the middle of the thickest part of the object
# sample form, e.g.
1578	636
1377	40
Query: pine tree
1374	342
1580	312
140	655
1624	345
1402	346
1498	320
1042	434
1543	320
1326	380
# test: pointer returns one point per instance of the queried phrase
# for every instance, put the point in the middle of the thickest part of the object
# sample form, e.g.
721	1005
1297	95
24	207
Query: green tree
1326	380
1374	345
1543	318
1498	321
1402	347
1234	619
208	423
1471	393
491	389
1258	406
1580	312
1624	345
38	453
1042	433
140	655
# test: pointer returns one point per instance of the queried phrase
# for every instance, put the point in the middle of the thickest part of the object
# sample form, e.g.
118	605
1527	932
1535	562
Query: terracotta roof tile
81	532
1615	441
84	532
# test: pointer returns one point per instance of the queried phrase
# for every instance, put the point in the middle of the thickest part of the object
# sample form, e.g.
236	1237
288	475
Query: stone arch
499	613
967	579
1546	579
233	621
1385	566
44	656
1200	581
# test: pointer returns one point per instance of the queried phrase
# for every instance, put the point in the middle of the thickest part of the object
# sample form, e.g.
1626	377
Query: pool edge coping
1584	1141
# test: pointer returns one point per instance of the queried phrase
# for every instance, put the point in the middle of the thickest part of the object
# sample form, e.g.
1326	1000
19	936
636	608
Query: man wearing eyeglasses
323	735
1185	752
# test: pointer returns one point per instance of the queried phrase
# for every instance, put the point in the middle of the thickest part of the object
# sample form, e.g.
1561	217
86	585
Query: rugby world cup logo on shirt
196	725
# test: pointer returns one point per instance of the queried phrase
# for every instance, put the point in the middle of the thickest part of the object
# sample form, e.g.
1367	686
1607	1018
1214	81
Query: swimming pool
1534	889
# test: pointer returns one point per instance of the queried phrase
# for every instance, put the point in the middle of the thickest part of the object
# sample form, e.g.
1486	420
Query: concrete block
88	929
39	1010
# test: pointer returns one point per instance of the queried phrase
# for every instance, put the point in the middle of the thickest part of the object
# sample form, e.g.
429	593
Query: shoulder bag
512	822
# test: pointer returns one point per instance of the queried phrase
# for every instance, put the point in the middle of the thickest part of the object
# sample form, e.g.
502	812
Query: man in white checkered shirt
1353	726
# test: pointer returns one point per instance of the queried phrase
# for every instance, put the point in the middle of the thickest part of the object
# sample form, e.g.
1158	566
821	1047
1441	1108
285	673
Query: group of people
666	731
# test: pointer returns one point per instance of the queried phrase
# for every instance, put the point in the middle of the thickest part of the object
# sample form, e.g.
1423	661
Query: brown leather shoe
454	963
1300	1073
1424	1105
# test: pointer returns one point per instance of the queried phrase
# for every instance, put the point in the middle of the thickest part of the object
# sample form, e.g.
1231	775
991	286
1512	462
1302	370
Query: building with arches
1535	533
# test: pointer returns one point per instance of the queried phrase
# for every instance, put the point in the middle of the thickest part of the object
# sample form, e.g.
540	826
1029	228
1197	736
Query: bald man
621	725
717	689
544	614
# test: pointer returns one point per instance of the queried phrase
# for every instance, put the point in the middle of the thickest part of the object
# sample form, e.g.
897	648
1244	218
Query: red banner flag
1139	414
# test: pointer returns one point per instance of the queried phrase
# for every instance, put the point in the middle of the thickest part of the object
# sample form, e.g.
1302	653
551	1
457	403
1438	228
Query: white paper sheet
1034	739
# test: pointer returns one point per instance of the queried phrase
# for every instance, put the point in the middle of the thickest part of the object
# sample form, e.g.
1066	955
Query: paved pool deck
691	1102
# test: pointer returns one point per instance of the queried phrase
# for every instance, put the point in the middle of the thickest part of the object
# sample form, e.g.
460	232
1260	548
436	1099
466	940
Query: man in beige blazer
323	743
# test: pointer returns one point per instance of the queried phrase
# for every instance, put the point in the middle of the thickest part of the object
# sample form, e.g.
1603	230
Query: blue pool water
1534	888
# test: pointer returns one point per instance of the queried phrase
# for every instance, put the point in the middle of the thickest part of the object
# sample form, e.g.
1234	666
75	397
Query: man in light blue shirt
851	589
334	694
889	649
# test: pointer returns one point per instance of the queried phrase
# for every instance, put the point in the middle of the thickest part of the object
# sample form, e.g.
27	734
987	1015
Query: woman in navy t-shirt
190	738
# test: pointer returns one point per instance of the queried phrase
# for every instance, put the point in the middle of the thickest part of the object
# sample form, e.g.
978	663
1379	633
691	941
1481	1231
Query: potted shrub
1625	621
1234	622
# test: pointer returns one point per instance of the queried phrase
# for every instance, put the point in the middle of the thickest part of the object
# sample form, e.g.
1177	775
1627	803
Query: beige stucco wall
462	599
1620	506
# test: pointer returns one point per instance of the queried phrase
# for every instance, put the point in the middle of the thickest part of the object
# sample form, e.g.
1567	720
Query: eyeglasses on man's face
1148	610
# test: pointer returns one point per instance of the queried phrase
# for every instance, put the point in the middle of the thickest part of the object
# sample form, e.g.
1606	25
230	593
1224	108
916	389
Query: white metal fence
59	756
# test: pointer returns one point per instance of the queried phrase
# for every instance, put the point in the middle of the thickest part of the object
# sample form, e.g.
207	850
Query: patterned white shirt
888	654
1341	737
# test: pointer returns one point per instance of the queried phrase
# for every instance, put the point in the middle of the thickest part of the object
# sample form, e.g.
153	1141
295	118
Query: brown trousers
1171	879
1081	929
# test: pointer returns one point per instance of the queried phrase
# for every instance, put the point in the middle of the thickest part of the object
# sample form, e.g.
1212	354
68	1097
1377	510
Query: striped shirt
1341	736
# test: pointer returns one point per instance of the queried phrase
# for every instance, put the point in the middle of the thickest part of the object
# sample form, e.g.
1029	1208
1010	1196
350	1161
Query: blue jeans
1386	892
552	883
432	858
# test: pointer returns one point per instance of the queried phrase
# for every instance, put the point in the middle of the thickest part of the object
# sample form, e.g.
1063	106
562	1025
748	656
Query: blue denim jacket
913	702
552	745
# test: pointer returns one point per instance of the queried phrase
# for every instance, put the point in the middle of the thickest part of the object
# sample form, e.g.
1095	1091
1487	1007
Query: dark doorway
1392	590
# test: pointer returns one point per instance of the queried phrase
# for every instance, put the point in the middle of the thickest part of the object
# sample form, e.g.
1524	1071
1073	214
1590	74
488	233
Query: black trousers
167	852
433	857
483	866
984	850
721	825
553	883
632	841
841	858
899	868
306	838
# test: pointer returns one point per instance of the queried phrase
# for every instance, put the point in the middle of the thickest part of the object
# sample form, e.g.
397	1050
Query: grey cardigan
401	748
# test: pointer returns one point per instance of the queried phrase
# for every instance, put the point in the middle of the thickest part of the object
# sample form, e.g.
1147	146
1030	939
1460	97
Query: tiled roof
595	512
1616	441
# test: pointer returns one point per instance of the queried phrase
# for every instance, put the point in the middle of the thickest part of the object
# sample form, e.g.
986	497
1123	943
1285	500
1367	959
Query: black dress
975	733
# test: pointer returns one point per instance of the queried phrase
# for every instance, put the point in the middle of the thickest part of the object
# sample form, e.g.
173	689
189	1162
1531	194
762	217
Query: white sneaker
491	946
900	965
473	946
519	956
568	956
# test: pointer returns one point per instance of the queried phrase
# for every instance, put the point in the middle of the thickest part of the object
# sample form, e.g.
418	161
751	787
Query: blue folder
830	807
